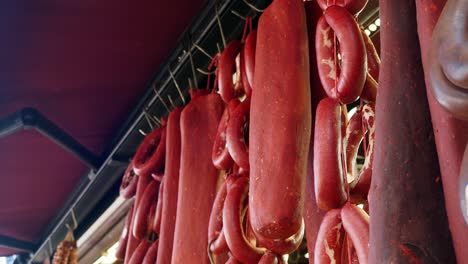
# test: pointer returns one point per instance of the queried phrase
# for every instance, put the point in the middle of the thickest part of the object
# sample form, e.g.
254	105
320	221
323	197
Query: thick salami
280	121
171	185
198	177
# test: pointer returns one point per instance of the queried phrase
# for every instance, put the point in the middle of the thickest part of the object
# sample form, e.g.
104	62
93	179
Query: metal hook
219	47
238	15
218	19
206	72
75	222
193	65
156	120
148	119
203	51
256	9
190	83
161	99
170	101
142	132
51	249
177	86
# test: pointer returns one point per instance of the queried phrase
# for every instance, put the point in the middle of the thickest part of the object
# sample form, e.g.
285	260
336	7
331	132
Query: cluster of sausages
346	75
267	152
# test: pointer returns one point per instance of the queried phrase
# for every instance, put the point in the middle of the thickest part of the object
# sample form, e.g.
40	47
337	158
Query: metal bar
13	243
30	118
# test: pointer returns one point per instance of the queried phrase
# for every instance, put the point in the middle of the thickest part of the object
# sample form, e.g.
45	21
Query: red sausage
269	258
329	177
233	260
235	139
406	189
220	154
280	121
129	183
353	6
226	68
373	59
198	178
359	187
249	55
120	251
347	86
283	246
156	224
133	242
361	123
240	248
312	214
329	239
140	252
149	157
243	71
215	227
152	253
356	225
369	92
140	225
171	185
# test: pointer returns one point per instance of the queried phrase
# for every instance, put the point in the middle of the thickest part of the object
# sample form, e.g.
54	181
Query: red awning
84	65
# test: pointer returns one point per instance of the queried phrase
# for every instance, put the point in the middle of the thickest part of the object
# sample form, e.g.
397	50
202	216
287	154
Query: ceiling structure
83	64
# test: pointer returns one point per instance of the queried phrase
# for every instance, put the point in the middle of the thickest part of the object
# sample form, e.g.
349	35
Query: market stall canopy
84	65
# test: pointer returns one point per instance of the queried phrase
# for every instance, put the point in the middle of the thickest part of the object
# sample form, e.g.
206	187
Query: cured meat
280	121
198	177
407	216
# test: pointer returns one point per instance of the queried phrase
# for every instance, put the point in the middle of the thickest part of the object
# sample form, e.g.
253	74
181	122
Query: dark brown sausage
405	199
451	134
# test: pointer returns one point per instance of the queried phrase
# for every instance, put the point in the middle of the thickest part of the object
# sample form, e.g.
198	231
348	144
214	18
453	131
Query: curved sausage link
353	6
330	238
269	258
129	182
140	252
227	67
152	253
221	158
328	173
150	154
243	71
216	239
346	87
283	246
140	226
233	260
359	187
249	55
369	92
240	248
356	224
235	139
156	224
373	59
120	251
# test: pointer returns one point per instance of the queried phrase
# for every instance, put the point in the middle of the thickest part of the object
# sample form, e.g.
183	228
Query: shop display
268	152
